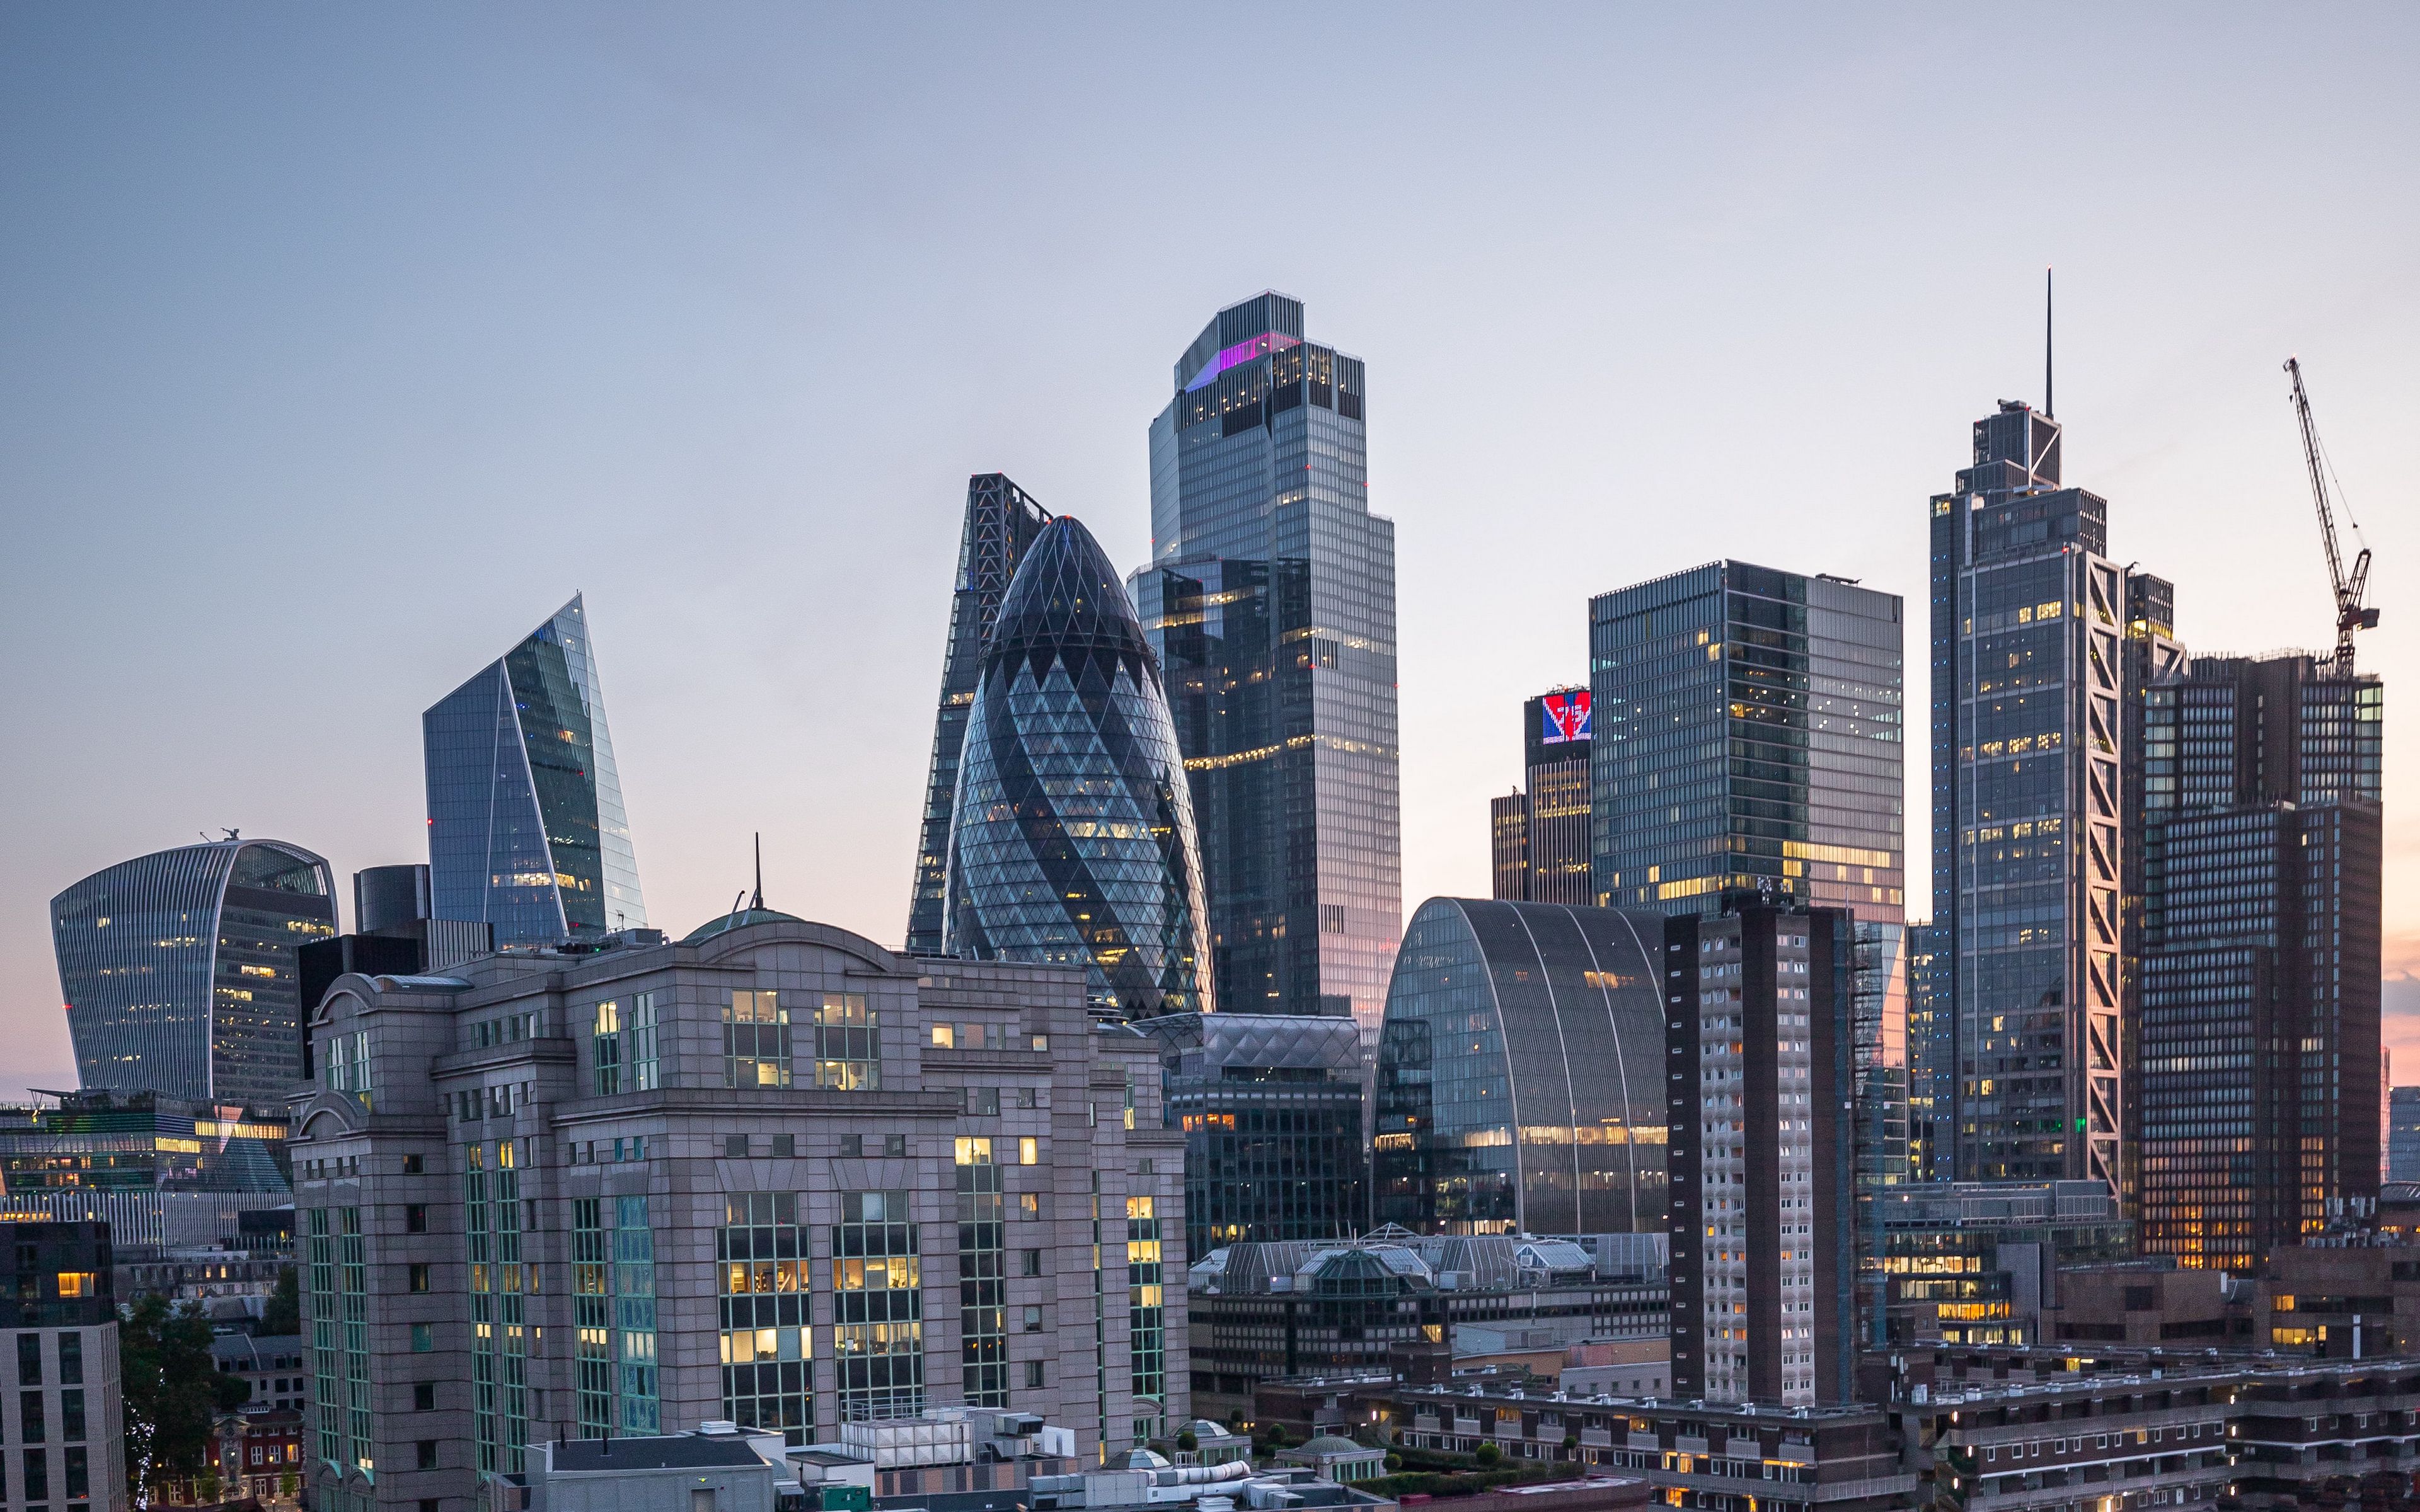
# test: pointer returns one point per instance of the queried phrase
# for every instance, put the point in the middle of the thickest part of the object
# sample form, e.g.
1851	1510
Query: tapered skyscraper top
526	829
1270	599
1072	838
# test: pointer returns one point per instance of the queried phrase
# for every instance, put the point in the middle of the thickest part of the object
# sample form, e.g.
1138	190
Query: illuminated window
756	1040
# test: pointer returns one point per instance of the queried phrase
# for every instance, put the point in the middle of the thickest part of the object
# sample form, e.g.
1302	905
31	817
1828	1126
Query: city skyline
759	682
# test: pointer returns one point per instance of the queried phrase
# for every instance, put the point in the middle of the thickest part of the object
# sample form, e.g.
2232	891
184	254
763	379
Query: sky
340	346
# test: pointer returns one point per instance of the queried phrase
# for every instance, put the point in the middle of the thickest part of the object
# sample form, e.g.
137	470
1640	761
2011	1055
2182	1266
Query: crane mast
2349	587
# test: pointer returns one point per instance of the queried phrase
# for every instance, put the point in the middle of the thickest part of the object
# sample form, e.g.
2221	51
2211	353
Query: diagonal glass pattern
1072	837
526	828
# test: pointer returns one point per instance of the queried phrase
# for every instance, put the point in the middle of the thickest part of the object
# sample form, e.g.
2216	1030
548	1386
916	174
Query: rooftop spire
2048	409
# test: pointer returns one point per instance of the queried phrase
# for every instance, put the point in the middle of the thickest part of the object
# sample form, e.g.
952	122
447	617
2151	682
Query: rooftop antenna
757	902
2050	410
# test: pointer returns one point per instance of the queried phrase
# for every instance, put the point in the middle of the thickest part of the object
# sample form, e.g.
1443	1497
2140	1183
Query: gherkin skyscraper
1071	837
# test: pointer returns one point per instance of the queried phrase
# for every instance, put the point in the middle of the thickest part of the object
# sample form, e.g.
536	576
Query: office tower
2262	945
1764	1253
771	1173
1748	735
1549	826
526	828
1071	837
1519	1077
1508	847
1931	1055
1271	1108
65	1447
2403	1134
1270	597
178	969
2027	810
1002	521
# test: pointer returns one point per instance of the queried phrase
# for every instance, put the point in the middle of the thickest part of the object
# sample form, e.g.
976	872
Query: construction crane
2350	615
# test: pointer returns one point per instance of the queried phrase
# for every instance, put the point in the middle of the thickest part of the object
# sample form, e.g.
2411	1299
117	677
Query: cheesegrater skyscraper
1270	599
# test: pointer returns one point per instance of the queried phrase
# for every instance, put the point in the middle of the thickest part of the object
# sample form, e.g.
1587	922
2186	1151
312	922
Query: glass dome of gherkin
1072	838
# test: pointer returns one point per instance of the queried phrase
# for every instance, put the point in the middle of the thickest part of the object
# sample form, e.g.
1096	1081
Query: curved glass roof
1518	1072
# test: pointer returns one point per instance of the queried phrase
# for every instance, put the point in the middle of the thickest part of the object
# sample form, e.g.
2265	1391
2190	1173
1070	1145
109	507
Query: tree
172	1392
284	1316
1488	1454
1186	1442
287	1486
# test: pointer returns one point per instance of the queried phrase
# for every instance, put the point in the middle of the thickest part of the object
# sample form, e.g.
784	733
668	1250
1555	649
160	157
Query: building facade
1270	599
1977	1262
2261	979
2403	1134
1760	1039
1002	521
526	828
1540	838
1520	1073
772	1174
1072	838
1931	1055
2027	625
1391	1304
62	1446
164	1174
1272	1112
1749	735
178	969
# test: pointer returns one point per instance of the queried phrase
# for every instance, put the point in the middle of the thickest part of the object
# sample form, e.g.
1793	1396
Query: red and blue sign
1564	717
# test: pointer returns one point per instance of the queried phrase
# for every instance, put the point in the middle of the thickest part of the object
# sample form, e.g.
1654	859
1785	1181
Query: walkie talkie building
179	969
526	829
1073	839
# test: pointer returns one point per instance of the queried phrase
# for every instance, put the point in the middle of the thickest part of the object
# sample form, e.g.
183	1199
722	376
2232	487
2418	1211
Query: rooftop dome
740	919
1328	1444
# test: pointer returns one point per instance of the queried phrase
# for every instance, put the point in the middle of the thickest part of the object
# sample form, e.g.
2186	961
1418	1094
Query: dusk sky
343	344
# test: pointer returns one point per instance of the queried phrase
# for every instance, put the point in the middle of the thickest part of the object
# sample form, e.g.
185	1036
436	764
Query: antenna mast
2050	410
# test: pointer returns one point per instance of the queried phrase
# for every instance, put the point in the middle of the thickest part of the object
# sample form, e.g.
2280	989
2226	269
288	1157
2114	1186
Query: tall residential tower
1270	598
526	829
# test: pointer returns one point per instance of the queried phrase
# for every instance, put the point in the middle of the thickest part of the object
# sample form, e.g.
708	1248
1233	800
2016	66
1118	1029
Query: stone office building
772	1174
